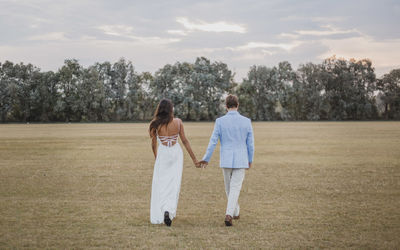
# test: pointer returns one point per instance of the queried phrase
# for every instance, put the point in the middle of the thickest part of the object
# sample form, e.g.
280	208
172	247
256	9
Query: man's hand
203	164
249	166
197	164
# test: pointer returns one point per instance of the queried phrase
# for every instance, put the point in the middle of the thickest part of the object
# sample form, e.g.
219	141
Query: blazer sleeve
250	143
213	142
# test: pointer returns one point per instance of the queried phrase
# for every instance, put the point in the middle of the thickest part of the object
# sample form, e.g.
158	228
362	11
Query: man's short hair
231	101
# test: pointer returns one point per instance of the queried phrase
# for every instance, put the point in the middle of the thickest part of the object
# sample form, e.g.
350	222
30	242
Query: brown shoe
236	217
228	220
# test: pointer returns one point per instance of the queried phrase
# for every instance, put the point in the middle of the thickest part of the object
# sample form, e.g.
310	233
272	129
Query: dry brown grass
314	184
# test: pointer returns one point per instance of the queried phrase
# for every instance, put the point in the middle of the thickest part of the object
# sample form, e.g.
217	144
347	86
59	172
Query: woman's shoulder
177	120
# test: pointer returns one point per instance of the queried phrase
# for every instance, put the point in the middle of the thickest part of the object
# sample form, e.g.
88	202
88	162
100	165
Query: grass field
313	184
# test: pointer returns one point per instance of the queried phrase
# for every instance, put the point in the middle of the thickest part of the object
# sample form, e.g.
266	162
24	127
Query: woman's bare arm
186	143
154	145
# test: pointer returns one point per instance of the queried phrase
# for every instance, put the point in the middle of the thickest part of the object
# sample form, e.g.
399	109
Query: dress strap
169	140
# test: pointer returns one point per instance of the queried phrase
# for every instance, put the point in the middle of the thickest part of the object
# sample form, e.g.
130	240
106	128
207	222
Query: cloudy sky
239	33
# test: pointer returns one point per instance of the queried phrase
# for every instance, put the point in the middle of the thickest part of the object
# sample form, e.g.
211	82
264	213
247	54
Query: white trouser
233	178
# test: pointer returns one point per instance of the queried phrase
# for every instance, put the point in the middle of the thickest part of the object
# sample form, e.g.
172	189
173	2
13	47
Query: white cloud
329	30
329	19
384	54
116	30
124	31
221	26
177	32
263	45
268	52
322	19
53	36
288	35
250	57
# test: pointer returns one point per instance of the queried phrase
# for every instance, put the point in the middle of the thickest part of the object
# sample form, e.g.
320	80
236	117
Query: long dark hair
162	116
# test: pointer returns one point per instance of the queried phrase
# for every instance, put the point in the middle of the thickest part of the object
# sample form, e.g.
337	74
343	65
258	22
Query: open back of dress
169	140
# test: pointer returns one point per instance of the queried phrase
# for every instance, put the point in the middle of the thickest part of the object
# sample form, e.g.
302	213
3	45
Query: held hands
197	164
200	164
203	164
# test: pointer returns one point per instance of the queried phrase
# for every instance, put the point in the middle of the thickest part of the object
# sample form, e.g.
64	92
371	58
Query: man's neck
232	109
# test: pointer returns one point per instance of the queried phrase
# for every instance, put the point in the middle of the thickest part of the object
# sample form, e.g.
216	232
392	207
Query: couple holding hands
235	133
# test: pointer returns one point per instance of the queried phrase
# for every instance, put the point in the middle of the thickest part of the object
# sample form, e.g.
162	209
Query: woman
165	129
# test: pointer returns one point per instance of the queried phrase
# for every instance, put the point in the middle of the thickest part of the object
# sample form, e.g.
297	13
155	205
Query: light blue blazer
237	141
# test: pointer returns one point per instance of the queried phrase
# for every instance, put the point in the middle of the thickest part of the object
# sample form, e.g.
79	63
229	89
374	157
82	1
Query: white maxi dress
167	178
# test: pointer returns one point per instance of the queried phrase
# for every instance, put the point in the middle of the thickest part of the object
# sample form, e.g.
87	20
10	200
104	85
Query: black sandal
167	220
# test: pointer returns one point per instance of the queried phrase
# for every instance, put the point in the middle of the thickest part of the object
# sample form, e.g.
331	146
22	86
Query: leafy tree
195	89
91	95
19	91
120	73
69	105
307	100
146	101
166	84
261	90
349	88
222	84
45	97
285	90
207	84
8	90
134	94
104	71
245	92
389	85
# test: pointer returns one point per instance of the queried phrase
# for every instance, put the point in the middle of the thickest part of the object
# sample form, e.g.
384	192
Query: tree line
336	89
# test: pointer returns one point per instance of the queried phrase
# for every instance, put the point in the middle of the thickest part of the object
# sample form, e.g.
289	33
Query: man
236	154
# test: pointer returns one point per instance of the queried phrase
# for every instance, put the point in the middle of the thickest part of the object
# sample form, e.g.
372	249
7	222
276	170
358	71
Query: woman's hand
186	143
197	163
